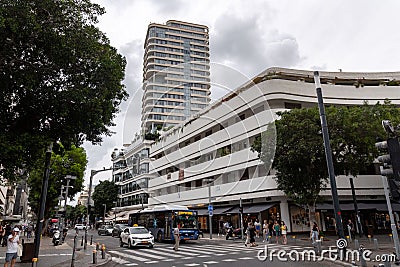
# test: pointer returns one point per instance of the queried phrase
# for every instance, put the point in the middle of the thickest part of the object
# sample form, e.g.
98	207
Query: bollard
322	239
73	251
376	244
94	256
356	244
103	251
391	237
386	260
91	239
369	237
82	242
363	262
34	262
348	239
294	238
318	248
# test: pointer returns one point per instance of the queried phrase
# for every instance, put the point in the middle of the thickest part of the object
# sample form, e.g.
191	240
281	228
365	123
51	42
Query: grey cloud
133	51
246	44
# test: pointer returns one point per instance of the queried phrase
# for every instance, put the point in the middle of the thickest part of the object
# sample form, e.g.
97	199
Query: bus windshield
187	220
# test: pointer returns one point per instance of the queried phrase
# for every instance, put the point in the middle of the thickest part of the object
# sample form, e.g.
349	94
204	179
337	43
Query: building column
285	216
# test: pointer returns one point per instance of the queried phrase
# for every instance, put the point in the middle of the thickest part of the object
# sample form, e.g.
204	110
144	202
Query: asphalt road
198	253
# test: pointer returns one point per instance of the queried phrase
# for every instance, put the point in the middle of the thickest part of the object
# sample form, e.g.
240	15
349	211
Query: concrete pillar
323	221
285	215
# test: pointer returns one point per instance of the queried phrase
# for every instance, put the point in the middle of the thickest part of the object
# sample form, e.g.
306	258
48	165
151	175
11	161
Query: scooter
56	237
234	233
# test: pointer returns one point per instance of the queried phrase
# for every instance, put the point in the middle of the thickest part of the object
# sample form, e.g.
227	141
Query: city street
196	253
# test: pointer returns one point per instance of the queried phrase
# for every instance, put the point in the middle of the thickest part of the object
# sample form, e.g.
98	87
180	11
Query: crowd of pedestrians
266	232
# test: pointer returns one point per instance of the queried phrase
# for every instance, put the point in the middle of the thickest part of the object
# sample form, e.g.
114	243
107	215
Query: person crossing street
177	237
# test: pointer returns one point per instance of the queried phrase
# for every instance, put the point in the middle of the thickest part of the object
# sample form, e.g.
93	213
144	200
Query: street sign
210	208
210	213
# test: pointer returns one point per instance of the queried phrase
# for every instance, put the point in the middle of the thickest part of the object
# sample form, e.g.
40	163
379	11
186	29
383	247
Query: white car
136	236
79	227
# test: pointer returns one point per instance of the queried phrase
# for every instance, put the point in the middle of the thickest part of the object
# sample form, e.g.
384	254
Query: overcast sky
248	37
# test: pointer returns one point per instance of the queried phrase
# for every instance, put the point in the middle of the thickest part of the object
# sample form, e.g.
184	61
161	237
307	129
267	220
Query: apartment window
199	183
289	105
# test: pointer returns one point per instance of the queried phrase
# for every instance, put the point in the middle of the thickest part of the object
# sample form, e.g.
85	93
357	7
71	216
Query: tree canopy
67	162
60	78
300	156
105	192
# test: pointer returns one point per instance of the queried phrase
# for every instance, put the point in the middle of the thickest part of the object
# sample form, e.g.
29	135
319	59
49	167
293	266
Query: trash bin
28	251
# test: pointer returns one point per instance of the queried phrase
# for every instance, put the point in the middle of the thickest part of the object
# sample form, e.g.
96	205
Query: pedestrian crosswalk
193	254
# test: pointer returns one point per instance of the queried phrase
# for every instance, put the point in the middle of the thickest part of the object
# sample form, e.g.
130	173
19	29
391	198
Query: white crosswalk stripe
188	253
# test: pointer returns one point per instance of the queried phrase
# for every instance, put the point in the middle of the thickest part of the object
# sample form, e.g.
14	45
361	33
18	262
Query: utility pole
328	154
358	222
391	169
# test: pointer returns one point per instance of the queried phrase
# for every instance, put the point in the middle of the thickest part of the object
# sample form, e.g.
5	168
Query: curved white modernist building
208	157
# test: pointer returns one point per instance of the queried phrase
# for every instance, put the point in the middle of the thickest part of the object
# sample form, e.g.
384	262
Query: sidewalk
61	255
385	245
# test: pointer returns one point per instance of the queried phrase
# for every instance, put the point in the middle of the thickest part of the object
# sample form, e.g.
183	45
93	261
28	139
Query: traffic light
391	161
391	164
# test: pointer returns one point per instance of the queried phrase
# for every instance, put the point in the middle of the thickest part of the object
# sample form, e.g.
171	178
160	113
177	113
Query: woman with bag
277	231
284	232
314	233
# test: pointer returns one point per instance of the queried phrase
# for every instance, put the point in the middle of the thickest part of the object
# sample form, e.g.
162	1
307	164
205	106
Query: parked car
105	230
136	236
117	230
79	226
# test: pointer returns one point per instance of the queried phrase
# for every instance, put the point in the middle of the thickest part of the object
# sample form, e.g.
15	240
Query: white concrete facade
214	145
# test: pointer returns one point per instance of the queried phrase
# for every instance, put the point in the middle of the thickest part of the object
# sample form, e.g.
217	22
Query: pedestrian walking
252	231
277	231
284	232
247	234
266	232
257	226
7	232
350	229
12	247
314	233
2	232
177	237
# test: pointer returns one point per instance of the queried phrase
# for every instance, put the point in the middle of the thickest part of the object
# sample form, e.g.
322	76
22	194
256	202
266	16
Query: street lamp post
328	155
104	217
92	173
115	214
43	196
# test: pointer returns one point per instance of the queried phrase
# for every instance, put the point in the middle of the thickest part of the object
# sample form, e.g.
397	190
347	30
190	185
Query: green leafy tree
80	211
300	156
60	79
105	192
67	162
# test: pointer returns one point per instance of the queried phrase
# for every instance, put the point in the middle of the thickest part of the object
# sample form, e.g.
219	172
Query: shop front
374	217
231	214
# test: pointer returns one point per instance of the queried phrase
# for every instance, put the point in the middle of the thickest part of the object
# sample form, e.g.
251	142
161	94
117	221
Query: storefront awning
360	206
202	212
256	208
221	210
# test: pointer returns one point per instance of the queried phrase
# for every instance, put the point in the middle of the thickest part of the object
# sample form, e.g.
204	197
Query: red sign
54	220
181	174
